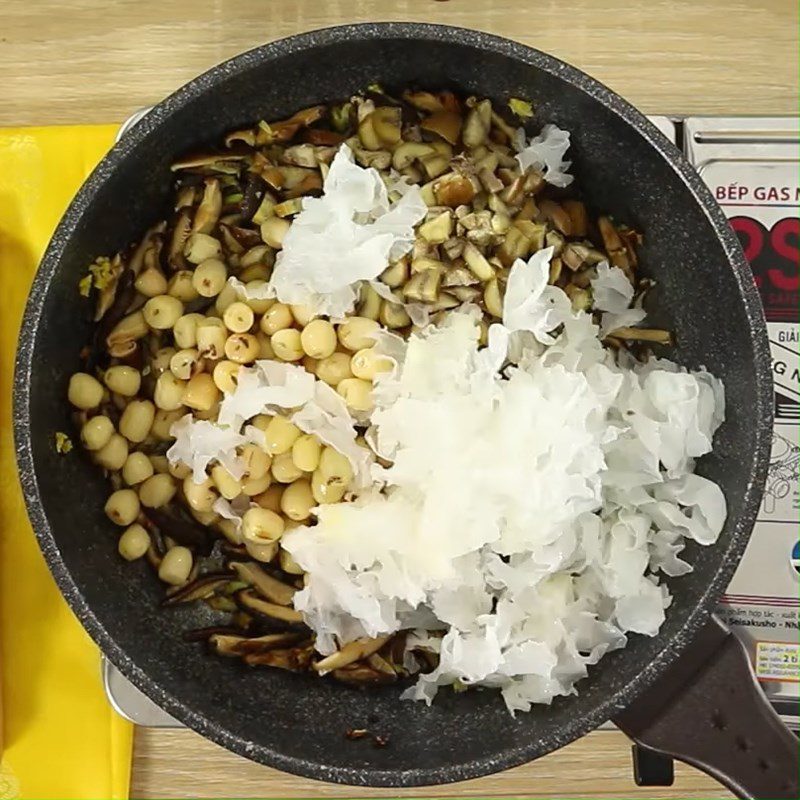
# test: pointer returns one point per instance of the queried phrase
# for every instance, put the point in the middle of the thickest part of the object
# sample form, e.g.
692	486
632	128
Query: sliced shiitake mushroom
557	216
576	256
477	263
203	634
293	659
396	274
533	231
300	155
122	339
201	588
435	164
584	277
528	210
616	249
445	301
349	653
259	644
458	275
173	521
137	257
386	123
477	124
437	229
581	299
310	186
271	588
514	192
289	207
446	124
208	212
379	663
284	130
366	134
460	294
363	675
578	215
643	335
555	240
237	645
378	159
246	136
255	188
453	247
424	285
232	245
408	152
213	160
507	131
556	268
423	101
250	602
632	240
515	245
320	136
453	190
273	176
181	228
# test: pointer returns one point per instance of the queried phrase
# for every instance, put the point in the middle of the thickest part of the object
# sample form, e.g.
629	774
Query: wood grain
179	764
88	61
82	61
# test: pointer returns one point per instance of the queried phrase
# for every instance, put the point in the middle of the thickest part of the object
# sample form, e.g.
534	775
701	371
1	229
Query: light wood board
172	764
72	61
83	61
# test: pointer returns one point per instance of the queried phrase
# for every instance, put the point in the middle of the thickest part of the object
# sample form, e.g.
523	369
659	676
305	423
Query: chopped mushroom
453	190
576	256
207	214
271	588
248	601
351	652
643	335
234	644
362	675
446	124
173	521
617	252
296	659
181	230
201	588
478	123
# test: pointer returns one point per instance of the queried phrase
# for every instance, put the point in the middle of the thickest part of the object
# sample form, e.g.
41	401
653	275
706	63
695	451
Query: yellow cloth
62	739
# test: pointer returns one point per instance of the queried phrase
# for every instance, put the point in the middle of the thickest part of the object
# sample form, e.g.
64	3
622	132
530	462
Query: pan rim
728	559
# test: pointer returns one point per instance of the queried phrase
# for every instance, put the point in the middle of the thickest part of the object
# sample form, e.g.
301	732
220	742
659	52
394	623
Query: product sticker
777	661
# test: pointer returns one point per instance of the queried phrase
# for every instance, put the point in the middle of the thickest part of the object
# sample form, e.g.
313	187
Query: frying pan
687	691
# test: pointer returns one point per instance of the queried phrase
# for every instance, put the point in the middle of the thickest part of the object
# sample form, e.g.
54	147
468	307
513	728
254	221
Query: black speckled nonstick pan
687	691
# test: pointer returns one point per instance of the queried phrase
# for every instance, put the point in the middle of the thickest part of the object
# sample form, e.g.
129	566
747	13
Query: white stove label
761	200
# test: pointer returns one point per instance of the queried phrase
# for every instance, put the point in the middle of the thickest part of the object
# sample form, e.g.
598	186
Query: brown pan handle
709	711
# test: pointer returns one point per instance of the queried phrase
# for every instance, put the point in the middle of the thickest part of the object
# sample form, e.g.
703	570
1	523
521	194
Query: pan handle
709	711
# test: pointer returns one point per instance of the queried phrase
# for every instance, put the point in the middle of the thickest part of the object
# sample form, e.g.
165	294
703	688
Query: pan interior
297	723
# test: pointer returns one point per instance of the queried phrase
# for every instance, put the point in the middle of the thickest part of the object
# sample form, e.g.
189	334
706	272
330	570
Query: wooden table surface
80	61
